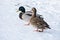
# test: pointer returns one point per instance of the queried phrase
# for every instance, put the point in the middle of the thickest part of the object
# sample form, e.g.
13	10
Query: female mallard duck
38	22
26	15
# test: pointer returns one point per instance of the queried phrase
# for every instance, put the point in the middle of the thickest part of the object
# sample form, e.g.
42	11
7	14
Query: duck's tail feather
48	27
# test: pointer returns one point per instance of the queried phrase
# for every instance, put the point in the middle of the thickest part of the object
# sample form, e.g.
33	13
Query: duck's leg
27	24
36	30
41	30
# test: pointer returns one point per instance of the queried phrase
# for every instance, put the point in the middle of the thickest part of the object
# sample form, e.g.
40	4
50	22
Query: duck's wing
29	14
29	11
40	22
45	24
26	17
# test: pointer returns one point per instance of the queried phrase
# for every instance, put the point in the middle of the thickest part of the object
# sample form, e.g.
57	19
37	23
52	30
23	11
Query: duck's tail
48	27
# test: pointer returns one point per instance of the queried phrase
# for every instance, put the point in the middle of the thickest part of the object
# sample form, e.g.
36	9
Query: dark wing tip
29	14
48	27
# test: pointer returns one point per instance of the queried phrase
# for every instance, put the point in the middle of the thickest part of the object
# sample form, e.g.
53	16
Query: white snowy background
13	28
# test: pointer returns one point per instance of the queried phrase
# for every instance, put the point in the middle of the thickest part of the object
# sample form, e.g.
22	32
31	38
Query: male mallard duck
26	15
38	22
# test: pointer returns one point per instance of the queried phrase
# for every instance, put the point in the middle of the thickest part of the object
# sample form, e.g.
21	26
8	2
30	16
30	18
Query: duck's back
36	21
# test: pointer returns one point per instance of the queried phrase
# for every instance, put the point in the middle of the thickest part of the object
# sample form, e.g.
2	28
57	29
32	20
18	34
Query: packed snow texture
13	28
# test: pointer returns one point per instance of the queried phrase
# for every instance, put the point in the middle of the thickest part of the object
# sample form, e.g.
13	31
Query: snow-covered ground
12	28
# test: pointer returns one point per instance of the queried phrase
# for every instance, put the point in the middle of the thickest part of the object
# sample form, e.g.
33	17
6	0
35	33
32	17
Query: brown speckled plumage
38	22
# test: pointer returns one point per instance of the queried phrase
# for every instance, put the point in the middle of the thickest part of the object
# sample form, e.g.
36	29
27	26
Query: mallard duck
26	15
38	22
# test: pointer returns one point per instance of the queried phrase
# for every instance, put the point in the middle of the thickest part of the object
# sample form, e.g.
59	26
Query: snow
13	28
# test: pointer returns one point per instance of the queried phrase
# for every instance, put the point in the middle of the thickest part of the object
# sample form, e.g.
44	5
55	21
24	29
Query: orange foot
26	24
38	30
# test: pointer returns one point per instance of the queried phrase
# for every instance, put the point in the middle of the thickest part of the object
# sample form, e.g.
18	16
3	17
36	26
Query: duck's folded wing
28	12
